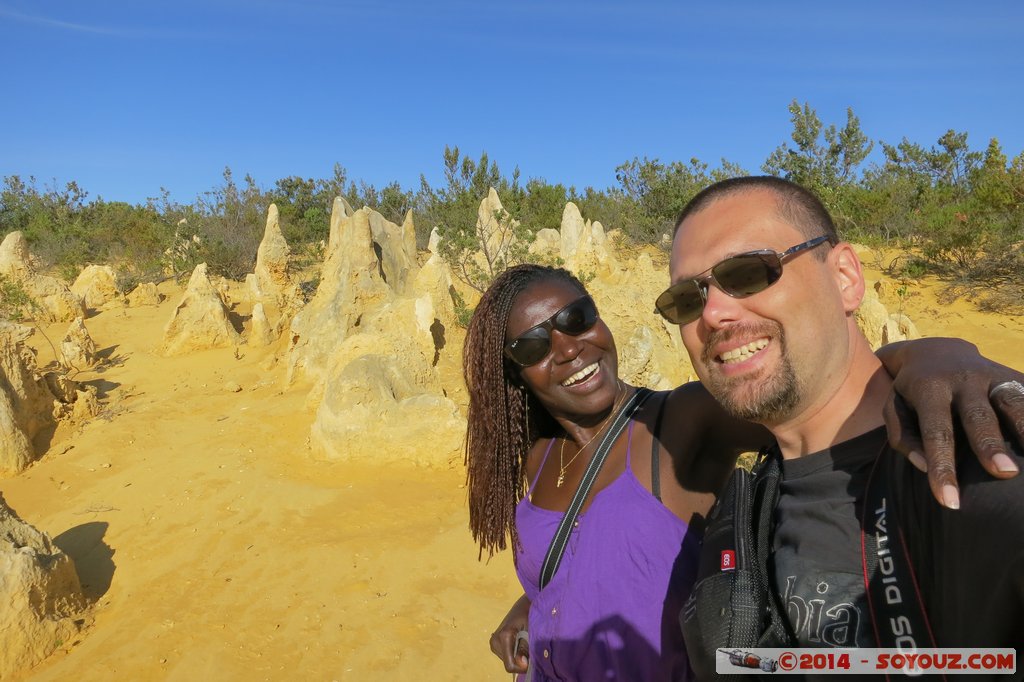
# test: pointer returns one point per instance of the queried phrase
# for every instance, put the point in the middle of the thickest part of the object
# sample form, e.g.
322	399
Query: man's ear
849	275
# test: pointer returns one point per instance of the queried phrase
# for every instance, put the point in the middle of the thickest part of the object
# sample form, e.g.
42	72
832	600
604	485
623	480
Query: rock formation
581	245
395	246
494	224
273	280
644	362
375	411
201	320
584	246
26	403
15	259
435	279
77	347
350	284
54	302
75	402
144	294
96	286
899	328
31	402
371	340
340	211
40	593
437	290
261	332
547	243
878	325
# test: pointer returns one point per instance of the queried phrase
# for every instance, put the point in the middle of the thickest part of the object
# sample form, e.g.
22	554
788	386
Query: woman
542	372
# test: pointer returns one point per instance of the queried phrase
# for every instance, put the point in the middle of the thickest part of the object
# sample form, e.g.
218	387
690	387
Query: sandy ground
215	548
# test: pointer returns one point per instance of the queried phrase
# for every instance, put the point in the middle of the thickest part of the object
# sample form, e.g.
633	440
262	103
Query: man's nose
719	307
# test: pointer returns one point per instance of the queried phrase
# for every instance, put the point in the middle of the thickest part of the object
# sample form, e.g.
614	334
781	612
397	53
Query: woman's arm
503	640
704	440
935	379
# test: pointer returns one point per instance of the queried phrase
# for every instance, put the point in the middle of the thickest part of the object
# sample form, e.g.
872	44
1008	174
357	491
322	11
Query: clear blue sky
127	97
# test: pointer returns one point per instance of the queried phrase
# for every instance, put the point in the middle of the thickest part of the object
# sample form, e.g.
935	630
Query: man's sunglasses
533	345
739	276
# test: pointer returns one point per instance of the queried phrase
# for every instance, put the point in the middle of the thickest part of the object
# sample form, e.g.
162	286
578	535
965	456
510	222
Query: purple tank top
611	612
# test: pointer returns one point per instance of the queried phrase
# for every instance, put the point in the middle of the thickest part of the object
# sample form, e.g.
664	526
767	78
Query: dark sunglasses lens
747	274
576	318
530	348
680	304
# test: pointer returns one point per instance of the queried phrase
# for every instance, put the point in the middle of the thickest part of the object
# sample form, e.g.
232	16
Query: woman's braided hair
500	428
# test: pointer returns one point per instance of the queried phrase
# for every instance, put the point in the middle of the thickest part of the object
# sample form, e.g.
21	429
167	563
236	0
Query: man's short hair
797	205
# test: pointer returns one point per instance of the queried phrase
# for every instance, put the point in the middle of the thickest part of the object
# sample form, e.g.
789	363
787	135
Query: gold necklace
563	465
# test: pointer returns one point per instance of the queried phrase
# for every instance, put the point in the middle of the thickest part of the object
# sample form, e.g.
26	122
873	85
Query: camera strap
894	600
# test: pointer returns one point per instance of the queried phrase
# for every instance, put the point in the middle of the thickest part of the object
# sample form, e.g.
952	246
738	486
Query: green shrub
16	304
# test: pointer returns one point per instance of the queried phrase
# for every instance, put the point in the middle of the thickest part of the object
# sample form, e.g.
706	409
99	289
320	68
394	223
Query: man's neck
854	407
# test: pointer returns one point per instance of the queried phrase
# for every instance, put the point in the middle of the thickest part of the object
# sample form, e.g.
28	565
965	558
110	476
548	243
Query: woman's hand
504	639
936	379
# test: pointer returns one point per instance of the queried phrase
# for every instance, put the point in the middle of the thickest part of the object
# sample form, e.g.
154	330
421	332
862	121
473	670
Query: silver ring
1015	386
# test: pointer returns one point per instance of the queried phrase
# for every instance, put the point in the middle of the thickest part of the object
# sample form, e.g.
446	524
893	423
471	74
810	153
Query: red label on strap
728	560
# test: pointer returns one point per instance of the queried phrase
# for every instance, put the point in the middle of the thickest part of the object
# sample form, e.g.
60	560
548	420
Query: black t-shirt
816	559
968	564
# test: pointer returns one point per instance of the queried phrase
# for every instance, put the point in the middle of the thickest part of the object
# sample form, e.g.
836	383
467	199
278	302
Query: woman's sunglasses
739	276
534	344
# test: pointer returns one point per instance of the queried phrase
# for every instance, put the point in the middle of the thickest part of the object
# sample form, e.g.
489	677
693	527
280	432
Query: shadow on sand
93	558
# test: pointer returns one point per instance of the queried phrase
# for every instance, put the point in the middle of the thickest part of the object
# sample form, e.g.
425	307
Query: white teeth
580	375
743	352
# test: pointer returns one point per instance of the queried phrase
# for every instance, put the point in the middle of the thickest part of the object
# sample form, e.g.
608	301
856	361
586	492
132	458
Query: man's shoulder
983	497
966	562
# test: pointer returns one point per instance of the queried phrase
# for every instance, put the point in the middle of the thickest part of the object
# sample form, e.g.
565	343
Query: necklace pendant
561	479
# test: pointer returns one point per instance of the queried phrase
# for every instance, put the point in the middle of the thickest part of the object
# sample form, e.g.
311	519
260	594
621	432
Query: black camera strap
894	601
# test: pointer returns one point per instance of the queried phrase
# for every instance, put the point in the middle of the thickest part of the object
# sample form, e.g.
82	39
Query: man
765	294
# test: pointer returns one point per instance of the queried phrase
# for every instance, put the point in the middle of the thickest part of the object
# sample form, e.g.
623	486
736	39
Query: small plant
183	254
463	313
16	304
127	280
586	276
307	288
479	252
915	268
902	291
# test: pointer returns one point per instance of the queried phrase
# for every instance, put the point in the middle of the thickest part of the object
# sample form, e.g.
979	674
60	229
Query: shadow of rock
105	353
93	558
238	321
114	361
108	360
102	386
43	438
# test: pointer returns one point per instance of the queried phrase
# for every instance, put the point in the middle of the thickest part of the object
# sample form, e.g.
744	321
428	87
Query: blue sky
128	97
